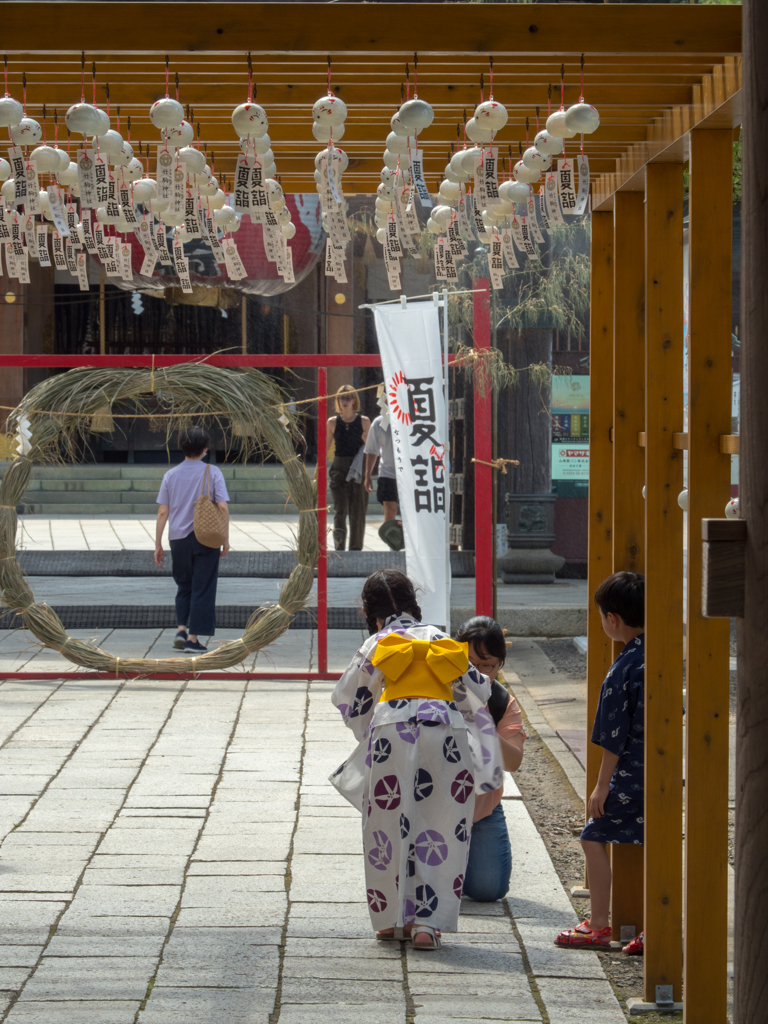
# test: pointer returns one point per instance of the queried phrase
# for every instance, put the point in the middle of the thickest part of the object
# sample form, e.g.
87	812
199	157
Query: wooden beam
707	642
600	500
666	145
628	534
307	28
664	579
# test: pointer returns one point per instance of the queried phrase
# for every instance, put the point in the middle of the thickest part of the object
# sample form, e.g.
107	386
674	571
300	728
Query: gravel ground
559	815
565	657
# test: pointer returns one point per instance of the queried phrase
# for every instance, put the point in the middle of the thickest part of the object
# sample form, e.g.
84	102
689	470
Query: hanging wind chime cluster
402	180
106	194
505	213
257	190
23	199
328	116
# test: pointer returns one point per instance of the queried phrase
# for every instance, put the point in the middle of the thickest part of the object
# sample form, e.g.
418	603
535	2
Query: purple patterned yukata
414	775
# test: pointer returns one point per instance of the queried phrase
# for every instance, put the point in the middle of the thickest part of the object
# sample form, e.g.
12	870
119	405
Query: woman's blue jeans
490	859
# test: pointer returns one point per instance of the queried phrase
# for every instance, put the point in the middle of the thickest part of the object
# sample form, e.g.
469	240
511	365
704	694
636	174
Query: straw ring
70	400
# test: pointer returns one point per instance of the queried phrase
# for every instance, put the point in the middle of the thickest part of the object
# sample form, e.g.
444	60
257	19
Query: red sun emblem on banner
397	397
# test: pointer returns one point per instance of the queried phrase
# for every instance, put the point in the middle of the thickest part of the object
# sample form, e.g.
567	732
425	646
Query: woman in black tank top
349	430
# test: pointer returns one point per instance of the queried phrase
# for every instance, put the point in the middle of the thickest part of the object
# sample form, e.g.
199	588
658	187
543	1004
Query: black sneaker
194	647
180	639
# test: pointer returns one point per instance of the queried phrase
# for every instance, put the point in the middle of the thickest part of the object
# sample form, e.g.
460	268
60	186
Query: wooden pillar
707	641
628	534
751	911
663	579
600	510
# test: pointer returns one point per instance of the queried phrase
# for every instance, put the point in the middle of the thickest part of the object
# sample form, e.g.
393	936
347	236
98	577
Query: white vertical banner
411	356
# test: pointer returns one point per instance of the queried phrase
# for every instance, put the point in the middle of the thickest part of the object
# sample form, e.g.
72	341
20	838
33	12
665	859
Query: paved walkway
136	533
173	854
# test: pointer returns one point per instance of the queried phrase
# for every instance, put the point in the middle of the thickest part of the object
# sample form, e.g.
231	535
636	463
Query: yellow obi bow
419	668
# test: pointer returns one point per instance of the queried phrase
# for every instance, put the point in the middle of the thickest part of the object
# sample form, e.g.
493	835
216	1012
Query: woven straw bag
210	523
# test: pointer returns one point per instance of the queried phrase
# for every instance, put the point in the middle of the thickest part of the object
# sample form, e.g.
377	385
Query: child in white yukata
427	745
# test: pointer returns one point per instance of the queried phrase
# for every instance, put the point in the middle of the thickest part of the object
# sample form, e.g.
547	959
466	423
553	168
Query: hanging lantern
11	111
415	115
166	113
82	119
27	132
582	118
490	114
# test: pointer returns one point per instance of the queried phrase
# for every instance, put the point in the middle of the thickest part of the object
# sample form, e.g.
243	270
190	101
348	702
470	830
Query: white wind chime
97	200
505	214
102	197
328	116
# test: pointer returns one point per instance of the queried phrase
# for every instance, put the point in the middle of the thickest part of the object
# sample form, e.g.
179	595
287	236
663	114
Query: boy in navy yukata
616	805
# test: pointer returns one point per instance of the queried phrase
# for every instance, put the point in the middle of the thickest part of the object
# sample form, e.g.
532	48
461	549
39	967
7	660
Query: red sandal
584	937
636	947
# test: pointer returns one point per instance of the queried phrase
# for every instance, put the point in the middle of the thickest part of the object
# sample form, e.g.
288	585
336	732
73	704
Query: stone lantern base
530	535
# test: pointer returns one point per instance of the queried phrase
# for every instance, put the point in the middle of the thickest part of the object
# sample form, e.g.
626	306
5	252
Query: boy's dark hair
486	635
388	592
194	441
624	595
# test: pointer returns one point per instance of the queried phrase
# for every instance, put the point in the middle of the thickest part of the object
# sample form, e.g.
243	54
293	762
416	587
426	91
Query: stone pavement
134	533
173	854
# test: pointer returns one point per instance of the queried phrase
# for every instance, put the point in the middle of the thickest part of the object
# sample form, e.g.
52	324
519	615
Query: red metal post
322	523
483	423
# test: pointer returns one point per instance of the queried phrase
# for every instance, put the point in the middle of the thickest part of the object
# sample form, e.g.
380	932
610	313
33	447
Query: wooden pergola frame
667	80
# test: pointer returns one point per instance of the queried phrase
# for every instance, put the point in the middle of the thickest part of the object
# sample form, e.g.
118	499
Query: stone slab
96	1011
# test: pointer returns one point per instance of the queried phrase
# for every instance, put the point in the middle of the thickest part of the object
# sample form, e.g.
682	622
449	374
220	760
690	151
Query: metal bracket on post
665	1001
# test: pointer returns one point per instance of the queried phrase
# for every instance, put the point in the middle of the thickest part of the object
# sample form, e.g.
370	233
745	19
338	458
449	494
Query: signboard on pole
409	342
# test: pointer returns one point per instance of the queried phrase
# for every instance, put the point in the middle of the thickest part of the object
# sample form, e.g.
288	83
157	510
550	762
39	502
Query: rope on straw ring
117	666
323	508
498	464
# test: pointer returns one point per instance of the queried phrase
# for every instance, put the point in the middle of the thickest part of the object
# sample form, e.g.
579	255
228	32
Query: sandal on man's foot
636	947
584	937
392	935
435	939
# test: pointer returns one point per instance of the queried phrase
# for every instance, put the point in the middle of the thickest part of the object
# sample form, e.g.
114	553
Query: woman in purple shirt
195	566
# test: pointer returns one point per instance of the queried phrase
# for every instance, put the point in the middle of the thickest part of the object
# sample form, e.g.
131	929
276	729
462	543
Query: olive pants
349	499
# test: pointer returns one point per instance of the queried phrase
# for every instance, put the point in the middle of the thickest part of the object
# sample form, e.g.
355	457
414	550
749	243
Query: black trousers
349	499
196	574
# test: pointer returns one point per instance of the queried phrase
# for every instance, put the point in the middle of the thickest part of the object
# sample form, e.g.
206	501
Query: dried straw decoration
60	413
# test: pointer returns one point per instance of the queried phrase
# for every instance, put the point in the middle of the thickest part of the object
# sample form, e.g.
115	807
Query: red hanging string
93	77
490	92
82	77
537	120
549	100
167	73
581	96
330	91
482	88
24	85
415	76
177	86
250	80
6	73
